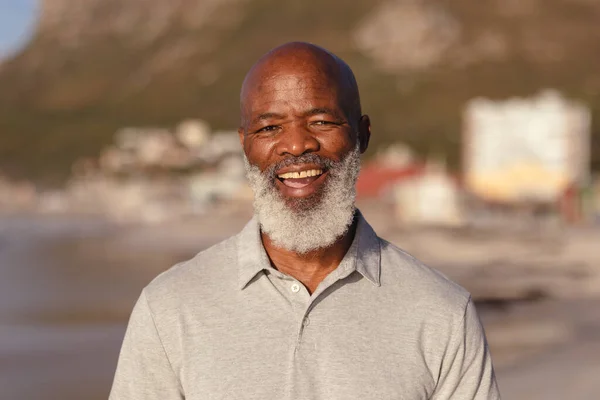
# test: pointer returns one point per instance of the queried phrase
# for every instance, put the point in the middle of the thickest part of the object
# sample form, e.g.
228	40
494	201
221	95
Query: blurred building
377	181
534	150
391	164
419	193
152	175
431	197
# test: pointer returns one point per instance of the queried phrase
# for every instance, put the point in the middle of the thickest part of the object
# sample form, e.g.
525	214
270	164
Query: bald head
310	65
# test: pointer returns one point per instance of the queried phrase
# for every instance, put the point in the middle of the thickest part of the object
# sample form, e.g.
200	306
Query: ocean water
67	286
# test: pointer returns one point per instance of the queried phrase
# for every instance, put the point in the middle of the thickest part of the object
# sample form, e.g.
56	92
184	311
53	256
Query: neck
312	267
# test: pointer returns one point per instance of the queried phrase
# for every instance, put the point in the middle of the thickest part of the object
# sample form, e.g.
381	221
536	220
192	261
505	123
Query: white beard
308	228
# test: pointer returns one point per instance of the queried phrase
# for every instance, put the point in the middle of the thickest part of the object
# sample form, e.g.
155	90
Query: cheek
258	152
338	145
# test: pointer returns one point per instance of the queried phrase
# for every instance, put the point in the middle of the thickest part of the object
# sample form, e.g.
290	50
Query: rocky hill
96	65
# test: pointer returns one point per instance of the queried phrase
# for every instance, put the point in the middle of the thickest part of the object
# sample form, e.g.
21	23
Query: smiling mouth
300	179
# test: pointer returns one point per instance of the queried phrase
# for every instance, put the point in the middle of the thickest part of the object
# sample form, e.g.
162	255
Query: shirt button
295	288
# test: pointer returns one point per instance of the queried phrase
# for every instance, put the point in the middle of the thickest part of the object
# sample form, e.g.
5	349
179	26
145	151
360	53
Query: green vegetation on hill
58	104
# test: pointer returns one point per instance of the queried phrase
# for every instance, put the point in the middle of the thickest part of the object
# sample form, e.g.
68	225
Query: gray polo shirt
227	325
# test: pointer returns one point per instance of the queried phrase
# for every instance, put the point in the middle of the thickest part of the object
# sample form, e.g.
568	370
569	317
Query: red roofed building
376	180
420	193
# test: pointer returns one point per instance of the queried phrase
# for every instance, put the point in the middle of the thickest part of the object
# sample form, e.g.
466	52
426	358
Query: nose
297	140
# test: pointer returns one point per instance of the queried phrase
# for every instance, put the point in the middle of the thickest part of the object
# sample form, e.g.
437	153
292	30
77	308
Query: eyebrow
309	113
322	110
267	115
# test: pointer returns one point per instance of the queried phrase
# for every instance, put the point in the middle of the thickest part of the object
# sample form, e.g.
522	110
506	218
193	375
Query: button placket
303	324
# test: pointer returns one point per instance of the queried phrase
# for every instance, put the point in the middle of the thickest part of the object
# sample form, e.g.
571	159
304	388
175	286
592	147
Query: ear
364	132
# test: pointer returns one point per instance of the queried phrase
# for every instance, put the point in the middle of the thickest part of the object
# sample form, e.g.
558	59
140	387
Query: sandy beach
67	286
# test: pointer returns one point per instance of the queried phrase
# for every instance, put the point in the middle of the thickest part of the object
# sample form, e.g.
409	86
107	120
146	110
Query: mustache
310	158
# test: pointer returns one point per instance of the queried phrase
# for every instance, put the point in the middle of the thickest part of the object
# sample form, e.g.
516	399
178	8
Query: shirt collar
252	257
368	257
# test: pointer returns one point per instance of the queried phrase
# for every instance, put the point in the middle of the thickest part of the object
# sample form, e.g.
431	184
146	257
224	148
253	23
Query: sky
17	19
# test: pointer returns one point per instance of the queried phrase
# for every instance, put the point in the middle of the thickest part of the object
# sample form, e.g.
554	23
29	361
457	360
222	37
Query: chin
303	204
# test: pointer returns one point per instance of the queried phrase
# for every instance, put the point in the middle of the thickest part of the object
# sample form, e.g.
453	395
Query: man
306	302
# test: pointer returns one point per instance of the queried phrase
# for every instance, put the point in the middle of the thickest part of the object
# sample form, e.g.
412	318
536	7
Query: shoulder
202	275
420	284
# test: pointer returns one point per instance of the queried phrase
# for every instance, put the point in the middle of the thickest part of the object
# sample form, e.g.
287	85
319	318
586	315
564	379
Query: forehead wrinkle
294	90
262	78
293	93
302	102
296	95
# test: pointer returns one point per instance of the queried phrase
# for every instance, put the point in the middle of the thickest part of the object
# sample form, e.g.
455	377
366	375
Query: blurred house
221	144
419	193
146	148
153	175
392	164
193	134
377	181
431	197
527	151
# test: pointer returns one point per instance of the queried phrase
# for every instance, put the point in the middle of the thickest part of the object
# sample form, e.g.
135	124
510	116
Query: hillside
96	65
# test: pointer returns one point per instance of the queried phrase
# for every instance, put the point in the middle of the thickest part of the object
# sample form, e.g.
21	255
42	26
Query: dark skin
301	99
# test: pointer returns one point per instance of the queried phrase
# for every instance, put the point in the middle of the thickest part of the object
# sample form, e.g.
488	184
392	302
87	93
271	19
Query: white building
526	149
431	198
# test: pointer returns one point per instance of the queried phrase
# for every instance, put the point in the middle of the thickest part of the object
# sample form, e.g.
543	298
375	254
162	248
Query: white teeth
302	174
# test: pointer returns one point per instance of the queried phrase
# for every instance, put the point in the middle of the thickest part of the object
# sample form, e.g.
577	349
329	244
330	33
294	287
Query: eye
323	123
269	128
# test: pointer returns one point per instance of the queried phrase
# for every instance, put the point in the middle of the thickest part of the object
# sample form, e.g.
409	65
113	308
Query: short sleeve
467	372
143	370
